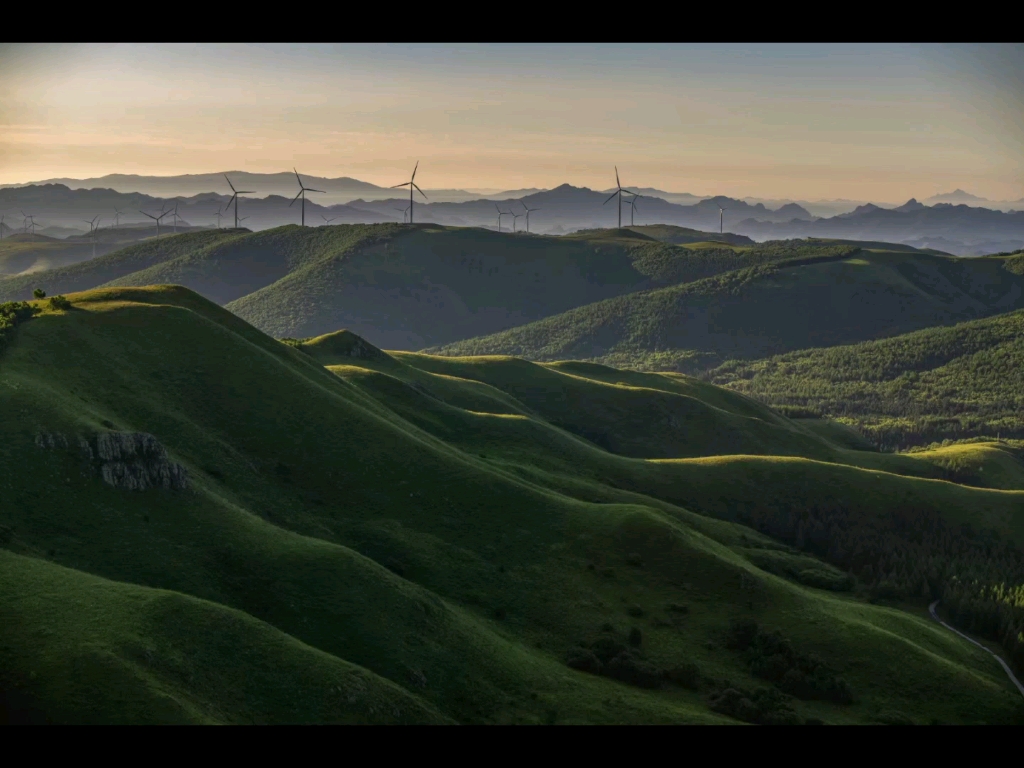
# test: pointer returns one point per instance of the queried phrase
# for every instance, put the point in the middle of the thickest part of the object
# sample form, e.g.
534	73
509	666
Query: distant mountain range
959	229
954	228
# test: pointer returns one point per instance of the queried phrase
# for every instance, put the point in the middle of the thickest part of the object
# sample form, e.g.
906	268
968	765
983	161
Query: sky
806	122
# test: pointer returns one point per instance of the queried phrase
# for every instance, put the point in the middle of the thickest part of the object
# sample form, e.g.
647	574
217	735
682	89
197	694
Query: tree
39	293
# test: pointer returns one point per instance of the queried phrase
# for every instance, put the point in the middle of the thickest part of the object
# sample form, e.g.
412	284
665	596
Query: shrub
630	668
635	637
59	302
38	293
584	660
685	675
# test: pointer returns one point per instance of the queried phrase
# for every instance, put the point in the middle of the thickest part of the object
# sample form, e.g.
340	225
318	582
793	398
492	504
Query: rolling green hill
317	531
766	310
410	287
965	380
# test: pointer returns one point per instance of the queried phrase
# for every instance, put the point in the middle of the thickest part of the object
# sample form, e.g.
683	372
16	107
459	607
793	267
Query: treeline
671	264
11	314
915	556
952	382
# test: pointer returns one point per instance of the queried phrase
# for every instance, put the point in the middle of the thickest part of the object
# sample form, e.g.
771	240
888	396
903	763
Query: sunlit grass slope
378	541
939	383
766	310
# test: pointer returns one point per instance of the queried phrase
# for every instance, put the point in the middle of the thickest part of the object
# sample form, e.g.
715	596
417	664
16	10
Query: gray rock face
134	461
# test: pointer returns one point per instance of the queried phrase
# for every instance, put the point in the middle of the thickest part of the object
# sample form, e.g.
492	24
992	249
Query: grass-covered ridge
404	538
955	382
768	309
403	287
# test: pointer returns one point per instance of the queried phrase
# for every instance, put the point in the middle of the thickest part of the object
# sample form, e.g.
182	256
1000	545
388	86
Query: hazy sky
879	122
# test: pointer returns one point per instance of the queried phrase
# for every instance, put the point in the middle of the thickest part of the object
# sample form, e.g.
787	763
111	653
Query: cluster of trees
951	382
914	555
11	314
773	658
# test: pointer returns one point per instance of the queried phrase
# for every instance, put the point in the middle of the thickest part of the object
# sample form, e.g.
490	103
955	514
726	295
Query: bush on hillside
11	314
59	302
38	293
763	707
773	658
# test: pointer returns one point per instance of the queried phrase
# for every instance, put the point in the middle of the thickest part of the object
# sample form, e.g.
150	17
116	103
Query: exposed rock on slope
134	461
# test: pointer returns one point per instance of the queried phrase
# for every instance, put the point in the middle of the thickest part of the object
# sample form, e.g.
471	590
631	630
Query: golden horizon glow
881	123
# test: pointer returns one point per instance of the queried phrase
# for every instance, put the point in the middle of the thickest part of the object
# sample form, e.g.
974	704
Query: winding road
1003	664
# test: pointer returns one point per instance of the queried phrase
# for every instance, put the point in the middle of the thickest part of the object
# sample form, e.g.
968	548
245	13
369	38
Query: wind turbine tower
175	217
721	219
528	212
632	207
500	214
405	214
514	216
117	219
411	184
218	214
234	197
156	219
302	193
92	232
618	193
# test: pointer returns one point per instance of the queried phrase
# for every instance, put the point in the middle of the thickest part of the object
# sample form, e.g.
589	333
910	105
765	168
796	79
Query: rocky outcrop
134	461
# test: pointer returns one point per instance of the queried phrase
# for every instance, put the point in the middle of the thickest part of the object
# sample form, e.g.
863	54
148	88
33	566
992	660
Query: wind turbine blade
420	191
247	192
403	184
297	176
315	190
229	183
296	198
617	177
610	198
414	172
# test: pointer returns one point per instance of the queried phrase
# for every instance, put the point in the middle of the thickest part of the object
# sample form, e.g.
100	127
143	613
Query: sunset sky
877	122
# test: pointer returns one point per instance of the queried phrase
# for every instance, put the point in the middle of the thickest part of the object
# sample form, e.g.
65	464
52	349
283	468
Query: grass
418	531
770	309
935	384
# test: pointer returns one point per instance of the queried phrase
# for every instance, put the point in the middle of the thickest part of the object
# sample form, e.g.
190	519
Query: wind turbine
721	219
28	221
302	193
174	216
632	207
328	220
156	219
411	184
242	219
500	214
234	197
528	212
404	212
117	219
618	193
2	227
514	216
218	214
92	232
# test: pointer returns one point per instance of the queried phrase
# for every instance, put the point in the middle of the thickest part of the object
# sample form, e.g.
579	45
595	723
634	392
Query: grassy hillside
410	287
124	261
253	537
26	254
965	380
768	309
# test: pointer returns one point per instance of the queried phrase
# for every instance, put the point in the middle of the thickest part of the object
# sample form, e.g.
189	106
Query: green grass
966	380
765	310
418	531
